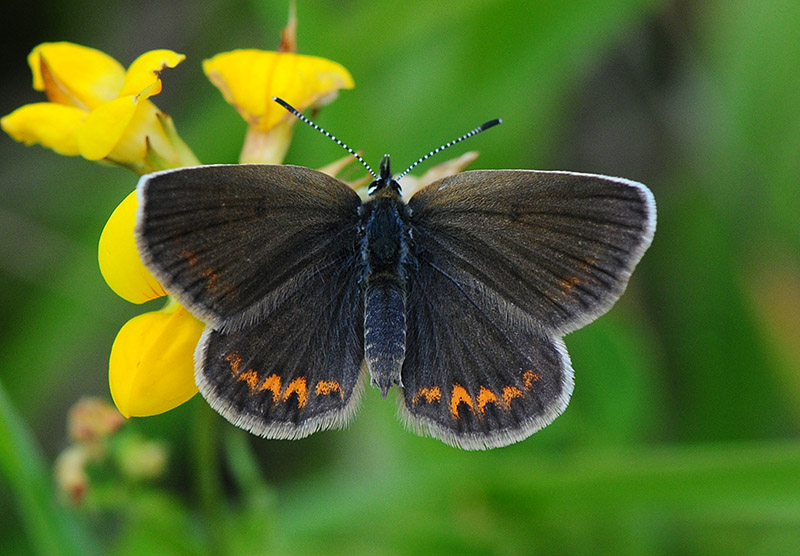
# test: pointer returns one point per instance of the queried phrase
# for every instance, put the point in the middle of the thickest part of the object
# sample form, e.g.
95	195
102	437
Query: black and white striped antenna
302	118
467	135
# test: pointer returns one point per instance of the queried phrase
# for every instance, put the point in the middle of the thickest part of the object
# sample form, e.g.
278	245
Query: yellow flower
151	368
119	259
99	110
248	79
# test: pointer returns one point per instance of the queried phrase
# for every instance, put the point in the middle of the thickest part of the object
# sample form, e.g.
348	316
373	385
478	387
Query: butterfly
458	297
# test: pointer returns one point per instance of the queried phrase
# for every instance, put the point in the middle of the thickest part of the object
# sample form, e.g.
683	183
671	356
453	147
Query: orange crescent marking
190	257
235	361
568	284
326	387
458	395
511	392
299	387
486	396
272	382
529	377
433	394
250	377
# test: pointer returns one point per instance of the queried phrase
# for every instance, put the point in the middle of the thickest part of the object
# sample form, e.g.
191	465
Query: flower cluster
99	110
102	112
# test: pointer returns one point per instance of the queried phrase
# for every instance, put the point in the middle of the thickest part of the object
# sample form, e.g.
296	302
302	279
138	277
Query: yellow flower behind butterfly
103	112
248	79
151	368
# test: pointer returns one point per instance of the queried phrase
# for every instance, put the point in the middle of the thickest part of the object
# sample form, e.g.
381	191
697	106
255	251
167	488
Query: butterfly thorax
384	251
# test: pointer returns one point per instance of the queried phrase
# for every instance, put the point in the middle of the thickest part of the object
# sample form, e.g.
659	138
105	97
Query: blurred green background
682	435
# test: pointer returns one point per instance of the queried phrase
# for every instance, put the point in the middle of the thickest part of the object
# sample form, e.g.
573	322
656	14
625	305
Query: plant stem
207	474
51	529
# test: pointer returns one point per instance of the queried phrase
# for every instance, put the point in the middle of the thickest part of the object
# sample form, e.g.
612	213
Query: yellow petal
76	75
54	126
123	131
248	79
151	368
146	131
119	259
103	128
143	74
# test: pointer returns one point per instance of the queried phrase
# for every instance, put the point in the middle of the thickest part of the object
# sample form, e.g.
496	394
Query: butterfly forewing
557	246
231	241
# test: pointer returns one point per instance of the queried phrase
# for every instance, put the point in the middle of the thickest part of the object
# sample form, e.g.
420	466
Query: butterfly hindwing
504	264
230	241
297	370
474	376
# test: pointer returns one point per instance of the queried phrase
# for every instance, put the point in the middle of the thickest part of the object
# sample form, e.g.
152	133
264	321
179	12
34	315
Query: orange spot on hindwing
297	386
457	396
529	377
432	394
235	361
511	392
327	387
273	383
250	377
486	396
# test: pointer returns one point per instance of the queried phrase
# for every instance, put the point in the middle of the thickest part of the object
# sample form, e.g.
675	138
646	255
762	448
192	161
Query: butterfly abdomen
384	250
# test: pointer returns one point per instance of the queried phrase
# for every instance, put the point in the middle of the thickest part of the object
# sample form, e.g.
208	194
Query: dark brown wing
231	241
504	264
557	246
269	258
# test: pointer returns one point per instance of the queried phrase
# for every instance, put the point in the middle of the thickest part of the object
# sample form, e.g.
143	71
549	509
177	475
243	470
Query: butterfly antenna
475	131
302	118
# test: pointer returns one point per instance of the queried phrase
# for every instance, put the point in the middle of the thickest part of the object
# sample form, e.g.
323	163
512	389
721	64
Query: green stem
244	466
51	528
207	473
253	530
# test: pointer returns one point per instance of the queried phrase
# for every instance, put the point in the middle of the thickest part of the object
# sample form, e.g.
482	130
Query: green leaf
52	529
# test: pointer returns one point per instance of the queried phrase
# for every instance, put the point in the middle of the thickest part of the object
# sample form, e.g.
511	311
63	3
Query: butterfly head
384	182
